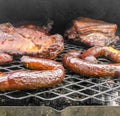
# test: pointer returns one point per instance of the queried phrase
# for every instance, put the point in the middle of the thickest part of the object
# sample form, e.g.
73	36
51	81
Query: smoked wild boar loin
92	32
39	48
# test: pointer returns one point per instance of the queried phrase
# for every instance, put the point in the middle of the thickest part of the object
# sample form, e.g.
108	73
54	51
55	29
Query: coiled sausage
107	51
45	73
77	63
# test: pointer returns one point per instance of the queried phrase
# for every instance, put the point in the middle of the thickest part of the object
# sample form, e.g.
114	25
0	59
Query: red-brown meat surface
27	41
92	32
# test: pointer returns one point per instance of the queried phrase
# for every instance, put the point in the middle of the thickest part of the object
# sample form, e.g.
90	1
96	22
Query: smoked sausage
74	61
44	73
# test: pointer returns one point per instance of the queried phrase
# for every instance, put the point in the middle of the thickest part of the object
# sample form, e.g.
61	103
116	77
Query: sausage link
45	73
80	66
106	51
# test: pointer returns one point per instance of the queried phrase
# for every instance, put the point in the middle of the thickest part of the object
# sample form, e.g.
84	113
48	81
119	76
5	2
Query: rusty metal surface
69	111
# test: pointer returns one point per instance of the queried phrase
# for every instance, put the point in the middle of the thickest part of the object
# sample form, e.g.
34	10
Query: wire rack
74	90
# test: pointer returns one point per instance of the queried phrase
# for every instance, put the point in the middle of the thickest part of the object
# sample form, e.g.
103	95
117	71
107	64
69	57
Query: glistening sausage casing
73	62
45	73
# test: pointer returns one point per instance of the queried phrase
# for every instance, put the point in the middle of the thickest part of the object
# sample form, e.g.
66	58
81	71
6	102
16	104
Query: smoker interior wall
60	11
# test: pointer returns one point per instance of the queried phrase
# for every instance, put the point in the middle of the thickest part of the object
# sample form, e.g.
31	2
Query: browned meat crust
5	58
44	29
27	41
92	32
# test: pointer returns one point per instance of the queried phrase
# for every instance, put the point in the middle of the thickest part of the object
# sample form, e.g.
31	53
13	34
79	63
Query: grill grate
74	90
